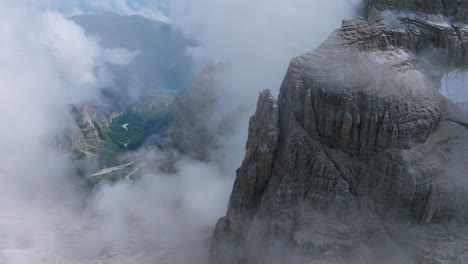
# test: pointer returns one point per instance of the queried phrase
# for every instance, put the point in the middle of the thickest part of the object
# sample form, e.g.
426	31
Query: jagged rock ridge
359	141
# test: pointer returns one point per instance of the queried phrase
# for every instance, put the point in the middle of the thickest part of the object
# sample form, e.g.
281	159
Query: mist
47	64
50	64
257	39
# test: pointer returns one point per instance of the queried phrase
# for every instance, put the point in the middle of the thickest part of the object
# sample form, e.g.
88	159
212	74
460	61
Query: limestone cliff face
358	141
85	135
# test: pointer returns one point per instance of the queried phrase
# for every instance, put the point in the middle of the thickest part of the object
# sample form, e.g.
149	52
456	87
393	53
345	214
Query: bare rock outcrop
85	134
360	158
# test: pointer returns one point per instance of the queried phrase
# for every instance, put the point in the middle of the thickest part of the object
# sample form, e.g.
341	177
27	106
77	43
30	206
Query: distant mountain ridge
160	53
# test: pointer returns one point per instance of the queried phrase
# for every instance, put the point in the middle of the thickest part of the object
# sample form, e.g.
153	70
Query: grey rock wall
357	144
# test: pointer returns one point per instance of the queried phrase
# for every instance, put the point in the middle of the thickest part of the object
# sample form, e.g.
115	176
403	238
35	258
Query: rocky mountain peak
360	140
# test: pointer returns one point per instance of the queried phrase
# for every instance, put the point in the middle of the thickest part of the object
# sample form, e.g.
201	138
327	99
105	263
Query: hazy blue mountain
161	60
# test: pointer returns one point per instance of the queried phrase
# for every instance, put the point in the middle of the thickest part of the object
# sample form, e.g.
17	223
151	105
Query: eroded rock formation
359	143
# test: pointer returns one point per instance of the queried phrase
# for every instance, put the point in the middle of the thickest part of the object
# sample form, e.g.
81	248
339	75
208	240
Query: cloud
46	64
120	56
165	208
124	7
151	9
258	39
259	36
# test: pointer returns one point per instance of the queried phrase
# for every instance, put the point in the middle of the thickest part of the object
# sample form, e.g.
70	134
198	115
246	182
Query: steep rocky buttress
362	157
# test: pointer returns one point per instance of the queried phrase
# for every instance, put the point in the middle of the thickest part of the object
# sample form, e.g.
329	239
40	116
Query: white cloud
122	7
258	39
120	56
46	63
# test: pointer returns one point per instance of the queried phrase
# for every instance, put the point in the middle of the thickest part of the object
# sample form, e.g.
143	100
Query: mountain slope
159	50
